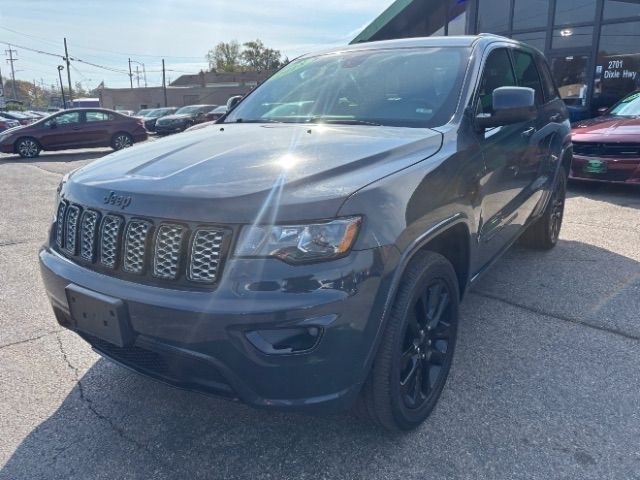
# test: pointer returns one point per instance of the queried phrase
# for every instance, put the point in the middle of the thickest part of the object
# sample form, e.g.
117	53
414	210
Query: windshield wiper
256	120
343	121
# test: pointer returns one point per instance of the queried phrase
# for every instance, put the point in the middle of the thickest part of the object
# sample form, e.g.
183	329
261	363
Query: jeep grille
155	251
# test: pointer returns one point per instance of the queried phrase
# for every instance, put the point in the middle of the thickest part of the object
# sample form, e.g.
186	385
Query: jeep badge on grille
122	201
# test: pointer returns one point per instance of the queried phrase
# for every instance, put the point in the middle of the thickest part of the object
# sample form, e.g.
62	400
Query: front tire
28	147
121	140
415	355
543	234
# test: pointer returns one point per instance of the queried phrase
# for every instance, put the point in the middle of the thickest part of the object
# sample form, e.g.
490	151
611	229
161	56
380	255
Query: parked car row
73	128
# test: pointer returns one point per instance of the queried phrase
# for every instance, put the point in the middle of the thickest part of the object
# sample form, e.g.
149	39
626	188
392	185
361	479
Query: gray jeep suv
311	250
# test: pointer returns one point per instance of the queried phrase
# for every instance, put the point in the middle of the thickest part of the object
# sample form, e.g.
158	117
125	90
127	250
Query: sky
109	32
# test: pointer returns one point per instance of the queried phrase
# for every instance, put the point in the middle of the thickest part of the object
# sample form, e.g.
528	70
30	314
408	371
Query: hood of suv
232	173
170	118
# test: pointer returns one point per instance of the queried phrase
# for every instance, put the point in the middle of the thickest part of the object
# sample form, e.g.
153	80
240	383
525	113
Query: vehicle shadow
57	157
117	424
625	195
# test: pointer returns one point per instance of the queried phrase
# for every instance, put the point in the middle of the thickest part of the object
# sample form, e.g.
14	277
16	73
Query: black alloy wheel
543	234
415	355
426	345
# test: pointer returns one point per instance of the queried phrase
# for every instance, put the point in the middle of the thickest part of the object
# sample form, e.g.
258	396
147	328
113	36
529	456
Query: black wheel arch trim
405	258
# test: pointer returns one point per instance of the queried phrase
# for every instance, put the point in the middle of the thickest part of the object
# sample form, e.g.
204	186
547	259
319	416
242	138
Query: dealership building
593	46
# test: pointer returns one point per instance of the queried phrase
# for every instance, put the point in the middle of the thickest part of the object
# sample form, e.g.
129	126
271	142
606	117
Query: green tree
225	57
257	57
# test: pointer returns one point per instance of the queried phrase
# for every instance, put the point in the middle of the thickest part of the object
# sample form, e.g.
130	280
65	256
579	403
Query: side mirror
233	101
602	111
510	105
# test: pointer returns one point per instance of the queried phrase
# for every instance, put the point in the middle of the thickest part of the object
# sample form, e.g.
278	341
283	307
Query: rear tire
544	232
28	147
415	355
121	140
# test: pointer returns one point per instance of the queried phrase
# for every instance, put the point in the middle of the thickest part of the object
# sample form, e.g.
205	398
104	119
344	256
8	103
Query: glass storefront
530	14
593	46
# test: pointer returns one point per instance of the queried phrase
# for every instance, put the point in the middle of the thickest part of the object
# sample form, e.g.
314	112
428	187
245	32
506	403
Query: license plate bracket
595	166
99	315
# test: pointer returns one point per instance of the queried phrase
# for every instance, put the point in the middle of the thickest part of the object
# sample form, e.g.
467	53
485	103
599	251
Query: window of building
530	14
95	116
614	9
577	11
527	73
618	65
190	99
498	72
570	73
535	39
572	37
493	16
457	17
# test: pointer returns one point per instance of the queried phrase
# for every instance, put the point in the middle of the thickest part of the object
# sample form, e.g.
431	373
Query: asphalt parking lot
545	384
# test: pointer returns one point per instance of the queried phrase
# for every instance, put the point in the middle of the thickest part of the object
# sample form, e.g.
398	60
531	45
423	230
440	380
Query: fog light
285	340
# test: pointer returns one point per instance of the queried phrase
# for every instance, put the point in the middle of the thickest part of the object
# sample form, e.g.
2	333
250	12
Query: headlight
299	243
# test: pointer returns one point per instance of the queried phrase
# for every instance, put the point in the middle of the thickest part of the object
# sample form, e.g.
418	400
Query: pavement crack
88	402
557	316
32	339
17	242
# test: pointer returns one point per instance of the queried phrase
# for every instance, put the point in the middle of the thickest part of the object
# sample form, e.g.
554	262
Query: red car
74	128
607	148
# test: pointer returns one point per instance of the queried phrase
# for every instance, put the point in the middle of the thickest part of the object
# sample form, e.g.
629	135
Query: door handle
555	117
528	132
76	128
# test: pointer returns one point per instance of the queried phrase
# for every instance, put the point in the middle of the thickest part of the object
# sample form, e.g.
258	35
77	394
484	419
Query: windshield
627	107
398	87
143	112
191	109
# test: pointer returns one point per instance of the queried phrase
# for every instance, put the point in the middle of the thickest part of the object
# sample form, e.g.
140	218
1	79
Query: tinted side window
65	118
497	73
527	73
93	116
549	86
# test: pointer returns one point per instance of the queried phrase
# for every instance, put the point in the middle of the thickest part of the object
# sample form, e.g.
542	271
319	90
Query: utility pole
164	84
10	61
130	74
64	101
66	57
2	103
35	91
138	75
144	74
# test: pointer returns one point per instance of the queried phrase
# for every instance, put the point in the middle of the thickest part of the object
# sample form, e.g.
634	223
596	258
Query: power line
104	50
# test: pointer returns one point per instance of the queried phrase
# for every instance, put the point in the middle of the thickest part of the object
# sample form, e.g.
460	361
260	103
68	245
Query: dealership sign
619	72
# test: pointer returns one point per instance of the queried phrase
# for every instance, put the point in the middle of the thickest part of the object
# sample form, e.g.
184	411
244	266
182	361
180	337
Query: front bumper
170	128
199	339
614	170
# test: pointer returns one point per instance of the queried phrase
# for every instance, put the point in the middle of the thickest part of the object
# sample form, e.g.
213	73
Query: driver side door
62	131
504	151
